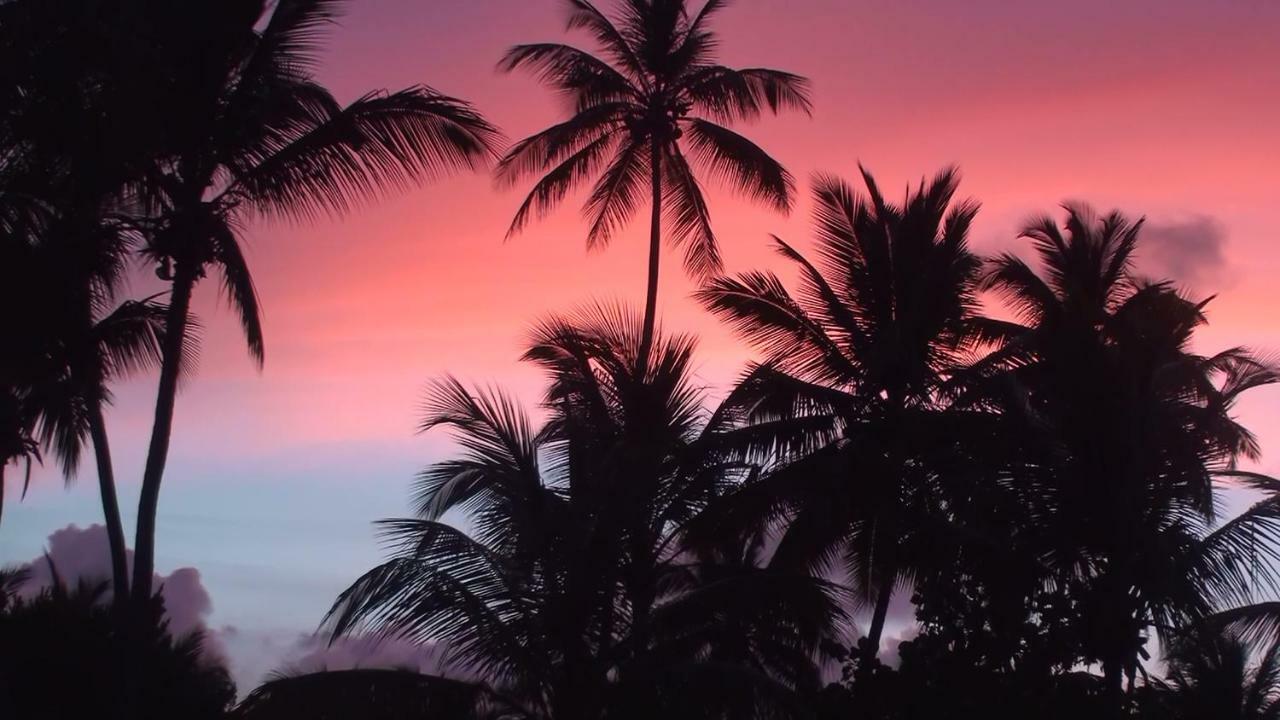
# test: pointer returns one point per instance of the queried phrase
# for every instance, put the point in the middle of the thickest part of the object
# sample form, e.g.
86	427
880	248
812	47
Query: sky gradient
1166	109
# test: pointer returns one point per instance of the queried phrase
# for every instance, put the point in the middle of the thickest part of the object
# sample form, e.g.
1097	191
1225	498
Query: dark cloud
1189	252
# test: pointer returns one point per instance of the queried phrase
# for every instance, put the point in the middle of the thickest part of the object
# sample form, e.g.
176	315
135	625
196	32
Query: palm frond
685	210
329	160
740	163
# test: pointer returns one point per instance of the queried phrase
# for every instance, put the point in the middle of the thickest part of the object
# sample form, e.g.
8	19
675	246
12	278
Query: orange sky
1164	108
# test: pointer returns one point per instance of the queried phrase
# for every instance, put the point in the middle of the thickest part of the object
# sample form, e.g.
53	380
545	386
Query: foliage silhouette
1101	370
572	593
652	100
1048	480
1215	675
846	405
65	654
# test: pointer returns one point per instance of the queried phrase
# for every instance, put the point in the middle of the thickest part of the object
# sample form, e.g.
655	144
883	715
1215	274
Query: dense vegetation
1042	475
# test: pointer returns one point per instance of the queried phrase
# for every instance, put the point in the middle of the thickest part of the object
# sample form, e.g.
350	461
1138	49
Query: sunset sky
1163	108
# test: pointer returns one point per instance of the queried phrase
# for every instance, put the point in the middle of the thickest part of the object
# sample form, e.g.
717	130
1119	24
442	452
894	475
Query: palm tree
651	102
70	344
1221	677
845	404
573	594
1135	434
62	361
68	402
77	132
255	133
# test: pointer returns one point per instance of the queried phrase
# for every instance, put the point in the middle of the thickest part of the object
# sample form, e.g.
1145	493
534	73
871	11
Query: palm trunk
872	649
1113	688
655	248
4	462
110	505
162	427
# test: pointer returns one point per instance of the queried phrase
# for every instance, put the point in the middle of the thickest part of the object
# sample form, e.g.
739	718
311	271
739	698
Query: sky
1161	108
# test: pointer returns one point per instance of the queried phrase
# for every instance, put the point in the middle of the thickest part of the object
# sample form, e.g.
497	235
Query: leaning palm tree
845	405
573	593
255	133
1136	435
653	100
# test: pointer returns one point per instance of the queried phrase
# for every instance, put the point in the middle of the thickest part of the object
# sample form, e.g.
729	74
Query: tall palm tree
78	129
573	594
255	133
653	100
845	404
1135	432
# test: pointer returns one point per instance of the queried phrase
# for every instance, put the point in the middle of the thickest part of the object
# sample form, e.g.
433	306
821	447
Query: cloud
889	645
83	554
1189	252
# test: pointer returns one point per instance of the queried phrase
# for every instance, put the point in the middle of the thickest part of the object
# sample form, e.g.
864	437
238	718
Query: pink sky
1167	109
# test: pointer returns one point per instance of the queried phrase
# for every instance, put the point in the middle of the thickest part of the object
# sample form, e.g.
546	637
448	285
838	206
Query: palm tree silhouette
654	100
83	87
68	399
257	134
70	344
1135	431
846	402
573	594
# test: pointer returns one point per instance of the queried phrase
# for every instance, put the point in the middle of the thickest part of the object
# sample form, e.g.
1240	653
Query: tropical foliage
574	592
1029	454
134	668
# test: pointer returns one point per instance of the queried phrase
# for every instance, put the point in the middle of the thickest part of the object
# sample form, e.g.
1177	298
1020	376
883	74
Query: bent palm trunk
161	429
110	505
655	248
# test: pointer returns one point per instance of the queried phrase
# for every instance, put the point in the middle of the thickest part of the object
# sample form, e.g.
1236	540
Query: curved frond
741	164
329	160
